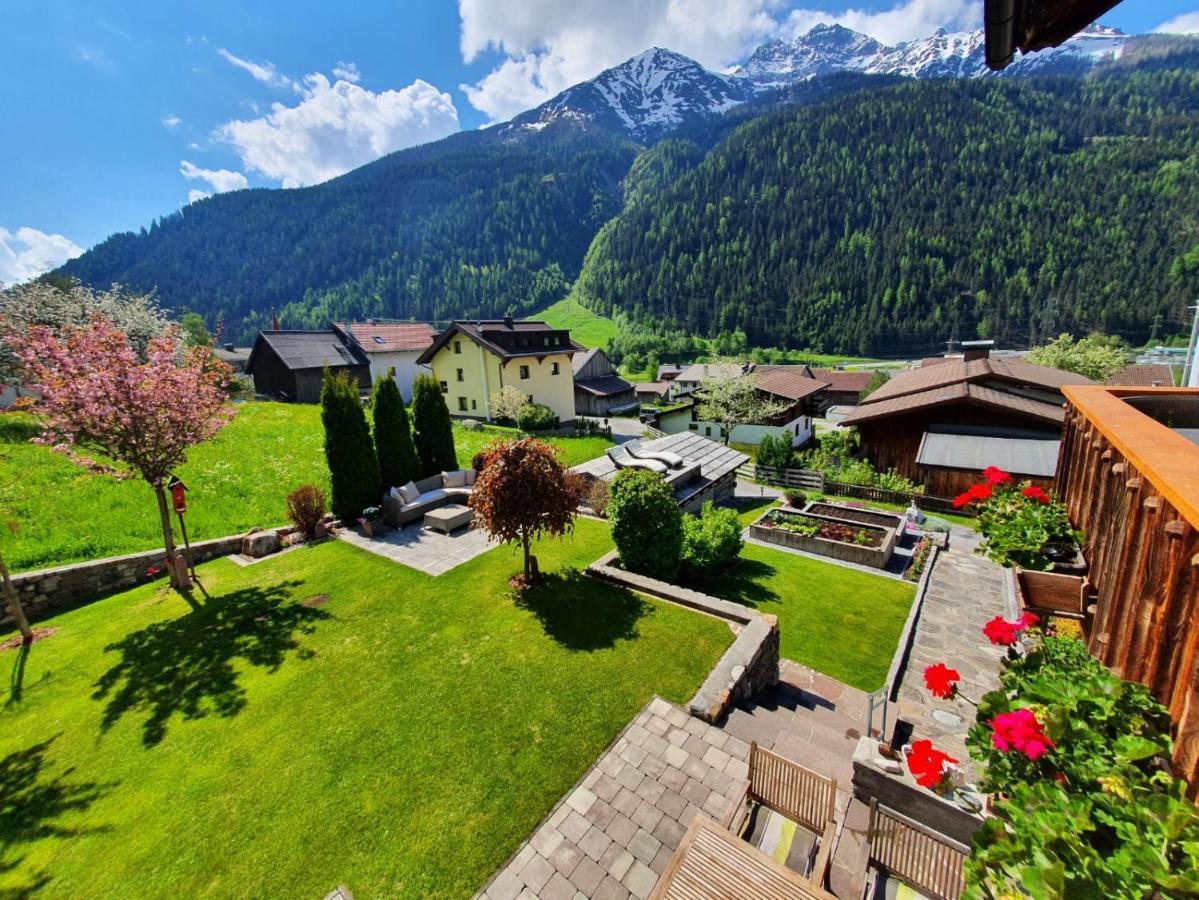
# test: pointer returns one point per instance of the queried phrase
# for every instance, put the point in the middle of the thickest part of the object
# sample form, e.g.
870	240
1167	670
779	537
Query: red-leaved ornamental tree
96	393
522	492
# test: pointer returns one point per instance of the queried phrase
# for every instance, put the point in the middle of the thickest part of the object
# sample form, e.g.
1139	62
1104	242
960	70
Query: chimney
274	320
507	321
976	350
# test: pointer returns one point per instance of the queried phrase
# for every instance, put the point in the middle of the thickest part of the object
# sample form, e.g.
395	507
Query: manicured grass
834	619
588	328
239	480
574	449
402	737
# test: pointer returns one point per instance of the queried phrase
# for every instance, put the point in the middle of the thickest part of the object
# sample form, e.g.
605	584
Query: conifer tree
353	470
434	435
393	437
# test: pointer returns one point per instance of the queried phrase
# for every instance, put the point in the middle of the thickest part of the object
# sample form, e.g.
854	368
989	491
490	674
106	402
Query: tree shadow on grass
744	583
581	613
32	800
186	665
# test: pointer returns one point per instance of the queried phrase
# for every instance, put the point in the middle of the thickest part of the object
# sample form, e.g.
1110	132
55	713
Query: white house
392	348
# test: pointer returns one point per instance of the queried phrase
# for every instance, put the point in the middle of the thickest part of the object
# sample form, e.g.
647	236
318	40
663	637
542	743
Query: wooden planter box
875	557
375	528
1075	566
878	519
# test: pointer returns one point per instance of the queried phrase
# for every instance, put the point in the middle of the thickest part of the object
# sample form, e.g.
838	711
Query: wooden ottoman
449	517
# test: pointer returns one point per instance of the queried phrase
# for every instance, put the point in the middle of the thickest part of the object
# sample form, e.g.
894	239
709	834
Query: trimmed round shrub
306	507
795	499
537	417
711	541
646	523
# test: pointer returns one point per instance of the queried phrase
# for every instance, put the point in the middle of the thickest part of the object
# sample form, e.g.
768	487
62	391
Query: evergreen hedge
394	448
434	435
353	471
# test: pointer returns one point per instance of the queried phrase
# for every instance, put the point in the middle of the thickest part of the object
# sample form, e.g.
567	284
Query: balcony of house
1129	476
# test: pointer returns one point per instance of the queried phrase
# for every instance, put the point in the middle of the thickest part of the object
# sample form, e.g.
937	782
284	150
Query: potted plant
371	522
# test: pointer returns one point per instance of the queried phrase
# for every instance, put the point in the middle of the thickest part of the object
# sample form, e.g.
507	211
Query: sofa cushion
455	479
394	494
470	477
410	493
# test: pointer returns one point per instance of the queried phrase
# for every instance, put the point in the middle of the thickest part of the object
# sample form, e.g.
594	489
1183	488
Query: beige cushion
410	493
470	477
455	479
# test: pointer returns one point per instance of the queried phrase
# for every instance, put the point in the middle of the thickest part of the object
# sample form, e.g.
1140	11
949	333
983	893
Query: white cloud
347	71
904	22
27	253
551	45
337	127
220	180
195	194
1187	23
264	72
171	122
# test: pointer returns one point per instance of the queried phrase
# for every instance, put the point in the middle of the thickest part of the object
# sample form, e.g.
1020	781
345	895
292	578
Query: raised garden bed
894	521
834	537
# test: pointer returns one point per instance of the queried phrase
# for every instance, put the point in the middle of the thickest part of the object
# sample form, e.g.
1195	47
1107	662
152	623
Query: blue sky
115	113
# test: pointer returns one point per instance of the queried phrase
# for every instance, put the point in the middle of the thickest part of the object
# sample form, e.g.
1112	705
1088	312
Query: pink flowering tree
96	393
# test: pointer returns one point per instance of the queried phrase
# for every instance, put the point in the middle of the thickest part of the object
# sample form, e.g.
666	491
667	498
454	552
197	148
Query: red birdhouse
178	491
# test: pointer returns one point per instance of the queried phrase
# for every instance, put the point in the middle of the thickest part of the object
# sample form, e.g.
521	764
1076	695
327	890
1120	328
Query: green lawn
401	737
588	328
574	449
836	620
238	480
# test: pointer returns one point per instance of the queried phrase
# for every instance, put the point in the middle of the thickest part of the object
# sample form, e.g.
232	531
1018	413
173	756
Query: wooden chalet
1129	476
941	425
289	365
844	388
599	391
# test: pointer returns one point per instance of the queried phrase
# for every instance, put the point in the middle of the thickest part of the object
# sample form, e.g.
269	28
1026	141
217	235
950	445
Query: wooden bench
794	792
901	849
713	863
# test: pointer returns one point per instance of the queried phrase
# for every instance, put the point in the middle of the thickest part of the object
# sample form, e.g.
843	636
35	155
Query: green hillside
588	328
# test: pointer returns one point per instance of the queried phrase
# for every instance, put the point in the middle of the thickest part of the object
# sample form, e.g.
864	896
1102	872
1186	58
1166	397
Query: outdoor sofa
409	503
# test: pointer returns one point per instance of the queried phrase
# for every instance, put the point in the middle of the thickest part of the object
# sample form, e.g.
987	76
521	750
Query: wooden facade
1132	485
598	388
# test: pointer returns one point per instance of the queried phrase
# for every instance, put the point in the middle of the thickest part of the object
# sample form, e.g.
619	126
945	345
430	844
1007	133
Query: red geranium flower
975	492
1032	492
996	475
1001	632
1028	620
927	763
941	680
1020	730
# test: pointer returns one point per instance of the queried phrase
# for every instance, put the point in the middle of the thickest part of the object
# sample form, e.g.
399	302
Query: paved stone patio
421	548
613	834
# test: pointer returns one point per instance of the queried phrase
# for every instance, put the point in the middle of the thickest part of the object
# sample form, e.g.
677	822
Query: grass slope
402	738
588	328
836	620
238	480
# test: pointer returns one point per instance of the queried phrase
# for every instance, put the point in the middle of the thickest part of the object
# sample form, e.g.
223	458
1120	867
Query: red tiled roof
652	387
1144	376
389	338
844	381
955	371
787	382
955	393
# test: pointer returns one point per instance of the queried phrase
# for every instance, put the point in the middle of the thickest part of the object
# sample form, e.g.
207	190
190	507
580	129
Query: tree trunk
168	539
531	571
14	605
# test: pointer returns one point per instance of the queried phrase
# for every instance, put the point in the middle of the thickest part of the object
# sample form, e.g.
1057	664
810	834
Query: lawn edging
750	664
43	592
903	649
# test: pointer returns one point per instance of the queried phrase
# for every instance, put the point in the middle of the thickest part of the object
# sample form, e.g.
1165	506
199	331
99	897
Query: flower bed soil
834	538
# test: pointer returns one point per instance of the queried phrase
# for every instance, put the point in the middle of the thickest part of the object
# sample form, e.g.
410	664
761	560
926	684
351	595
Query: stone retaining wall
47	591
748	666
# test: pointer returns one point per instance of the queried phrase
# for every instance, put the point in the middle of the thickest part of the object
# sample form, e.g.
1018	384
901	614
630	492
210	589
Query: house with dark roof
474	358
599	391
289	365
941	425
844	388
392	348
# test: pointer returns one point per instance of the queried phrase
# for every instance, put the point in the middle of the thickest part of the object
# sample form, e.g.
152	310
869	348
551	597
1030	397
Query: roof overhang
1031	25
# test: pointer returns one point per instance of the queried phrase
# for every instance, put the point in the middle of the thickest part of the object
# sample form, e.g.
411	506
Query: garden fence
814	480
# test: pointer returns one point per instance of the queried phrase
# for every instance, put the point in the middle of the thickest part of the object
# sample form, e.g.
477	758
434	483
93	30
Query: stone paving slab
613	833
421	548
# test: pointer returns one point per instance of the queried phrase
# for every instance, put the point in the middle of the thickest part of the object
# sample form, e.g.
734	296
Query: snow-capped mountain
645	97
659	90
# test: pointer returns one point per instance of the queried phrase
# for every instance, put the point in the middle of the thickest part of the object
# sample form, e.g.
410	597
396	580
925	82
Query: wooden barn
599	391
289	365
942	425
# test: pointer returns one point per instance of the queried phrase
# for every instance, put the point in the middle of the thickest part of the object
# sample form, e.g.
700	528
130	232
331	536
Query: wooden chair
900	851
798	795
1053	594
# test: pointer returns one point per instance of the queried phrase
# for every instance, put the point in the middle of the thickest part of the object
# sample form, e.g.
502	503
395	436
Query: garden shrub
433	434
597	497
353	470
646	523
306	507
775	452
393	437
537	417
795	499
711	541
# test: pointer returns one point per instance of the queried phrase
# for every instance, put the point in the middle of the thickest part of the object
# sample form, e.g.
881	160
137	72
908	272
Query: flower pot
373	528
1067	558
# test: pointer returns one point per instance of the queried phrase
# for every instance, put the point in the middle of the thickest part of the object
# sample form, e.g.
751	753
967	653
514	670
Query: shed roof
839	380
652	387
1149	375
716	461
308	350
604	385
1035	456
788	382
389	337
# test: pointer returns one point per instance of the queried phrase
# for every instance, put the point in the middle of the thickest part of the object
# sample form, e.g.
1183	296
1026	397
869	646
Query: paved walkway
613	834
420	548
964	592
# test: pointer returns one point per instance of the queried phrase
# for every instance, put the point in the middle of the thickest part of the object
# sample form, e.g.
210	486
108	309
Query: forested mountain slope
877	223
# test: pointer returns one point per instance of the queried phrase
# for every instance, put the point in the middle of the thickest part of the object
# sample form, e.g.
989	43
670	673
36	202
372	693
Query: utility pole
1157	323
1190	371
